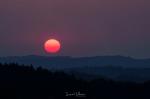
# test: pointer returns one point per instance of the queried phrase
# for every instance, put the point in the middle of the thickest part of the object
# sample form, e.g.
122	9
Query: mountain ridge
69	62
114	67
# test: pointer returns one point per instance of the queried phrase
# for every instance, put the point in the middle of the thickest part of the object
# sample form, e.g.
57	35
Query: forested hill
113	67
25	82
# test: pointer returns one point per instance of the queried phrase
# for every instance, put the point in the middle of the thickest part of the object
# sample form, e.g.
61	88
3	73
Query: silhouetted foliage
26	82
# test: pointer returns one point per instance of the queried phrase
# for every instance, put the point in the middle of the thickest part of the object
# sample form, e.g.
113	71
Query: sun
52	46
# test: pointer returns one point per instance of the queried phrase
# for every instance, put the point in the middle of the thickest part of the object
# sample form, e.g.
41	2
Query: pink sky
104	27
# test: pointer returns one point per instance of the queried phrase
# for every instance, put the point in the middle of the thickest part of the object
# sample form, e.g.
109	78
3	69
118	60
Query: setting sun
52	46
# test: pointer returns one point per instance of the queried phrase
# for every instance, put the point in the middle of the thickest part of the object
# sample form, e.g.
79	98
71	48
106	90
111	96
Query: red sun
52	46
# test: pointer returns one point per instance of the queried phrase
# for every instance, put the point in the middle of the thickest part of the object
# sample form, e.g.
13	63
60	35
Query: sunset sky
84	27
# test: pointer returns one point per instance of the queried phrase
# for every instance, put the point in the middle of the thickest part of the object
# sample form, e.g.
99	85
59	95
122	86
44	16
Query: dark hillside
25	82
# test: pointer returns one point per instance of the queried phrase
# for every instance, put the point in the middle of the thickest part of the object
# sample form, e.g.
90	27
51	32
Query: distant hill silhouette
26	82
114	67
61	62
112	72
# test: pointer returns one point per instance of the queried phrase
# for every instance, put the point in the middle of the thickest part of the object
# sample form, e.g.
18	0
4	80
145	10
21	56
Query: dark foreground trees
25	82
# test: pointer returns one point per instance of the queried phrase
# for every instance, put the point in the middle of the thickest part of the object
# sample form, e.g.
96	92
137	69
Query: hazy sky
84	27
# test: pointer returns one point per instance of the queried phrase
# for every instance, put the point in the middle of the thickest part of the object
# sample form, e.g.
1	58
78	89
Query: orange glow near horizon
52	46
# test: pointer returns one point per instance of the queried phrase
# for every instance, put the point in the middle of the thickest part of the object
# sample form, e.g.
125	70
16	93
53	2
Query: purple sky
84	27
